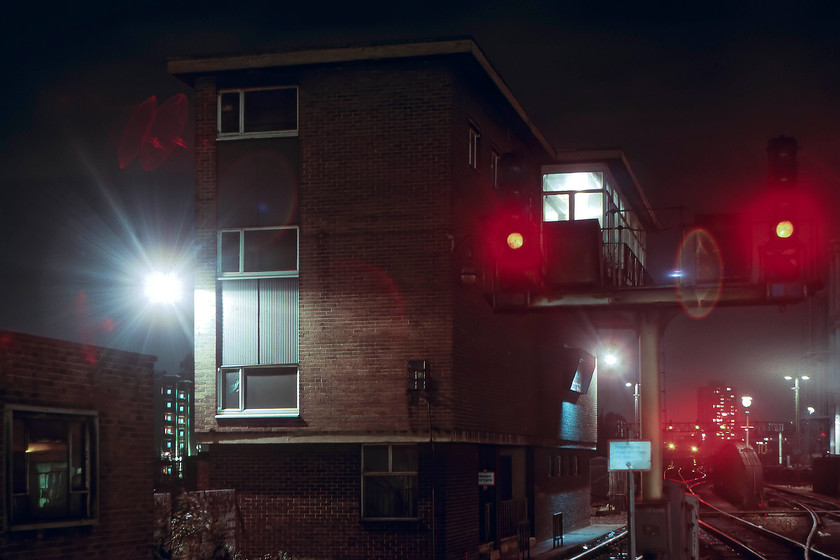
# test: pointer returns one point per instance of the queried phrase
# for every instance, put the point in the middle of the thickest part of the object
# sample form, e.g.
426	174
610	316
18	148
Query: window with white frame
258	270
51	477
474	140
266	251
495	163
573	196
263	390
389	481
258	112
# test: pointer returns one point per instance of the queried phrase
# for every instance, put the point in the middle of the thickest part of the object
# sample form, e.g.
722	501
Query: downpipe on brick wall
434	478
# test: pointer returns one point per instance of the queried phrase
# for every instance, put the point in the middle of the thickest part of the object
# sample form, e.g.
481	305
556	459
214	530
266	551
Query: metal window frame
241	411
241	274
241	132
474	143
91	462
389	472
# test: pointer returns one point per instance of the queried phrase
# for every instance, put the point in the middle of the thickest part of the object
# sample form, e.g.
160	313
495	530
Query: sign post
630	456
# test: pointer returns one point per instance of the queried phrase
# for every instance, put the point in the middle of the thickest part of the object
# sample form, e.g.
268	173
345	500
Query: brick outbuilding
77	447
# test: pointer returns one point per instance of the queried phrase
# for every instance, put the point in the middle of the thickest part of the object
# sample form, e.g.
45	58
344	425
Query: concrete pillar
650	334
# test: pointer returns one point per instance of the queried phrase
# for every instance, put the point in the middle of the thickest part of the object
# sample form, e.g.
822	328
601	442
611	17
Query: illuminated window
389	481
51	474
573	196
258	112
474	140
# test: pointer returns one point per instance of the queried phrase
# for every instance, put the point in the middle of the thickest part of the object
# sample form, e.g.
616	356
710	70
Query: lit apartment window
389	481
51	474
474	140
258	112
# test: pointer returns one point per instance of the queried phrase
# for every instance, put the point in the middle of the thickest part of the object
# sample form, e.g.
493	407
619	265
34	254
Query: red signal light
514	249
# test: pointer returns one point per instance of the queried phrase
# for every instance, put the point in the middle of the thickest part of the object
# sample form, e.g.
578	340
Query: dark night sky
691	94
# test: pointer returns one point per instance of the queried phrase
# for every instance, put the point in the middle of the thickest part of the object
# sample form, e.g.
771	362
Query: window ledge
260	414
221	136
54	524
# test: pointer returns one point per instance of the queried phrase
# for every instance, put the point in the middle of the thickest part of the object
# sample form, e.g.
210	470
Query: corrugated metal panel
240	308
279	321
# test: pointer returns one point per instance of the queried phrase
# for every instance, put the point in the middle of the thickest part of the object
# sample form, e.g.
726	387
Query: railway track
788	532
826	514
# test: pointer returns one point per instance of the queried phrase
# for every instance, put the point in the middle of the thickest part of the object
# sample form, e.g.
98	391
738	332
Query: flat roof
214	64
618	164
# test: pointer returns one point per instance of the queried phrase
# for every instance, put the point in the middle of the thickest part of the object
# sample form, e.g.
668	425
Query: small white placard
487	479
629	455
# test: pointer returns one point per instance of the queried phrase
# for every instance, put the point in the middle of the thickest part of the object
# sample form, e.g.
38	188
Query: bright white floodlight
610	359
163	288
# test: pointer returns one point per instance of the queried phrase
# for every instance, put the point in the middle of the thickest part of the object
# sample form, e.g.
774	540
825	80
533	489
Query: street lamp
162	288
746	401
635	386
796	407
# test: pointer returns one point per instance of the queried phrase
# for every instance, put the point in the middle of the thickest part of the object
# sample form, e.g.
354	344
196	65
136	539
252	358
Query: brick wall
305	500
389	214
506	364
49	373
205	252
560	491
375	212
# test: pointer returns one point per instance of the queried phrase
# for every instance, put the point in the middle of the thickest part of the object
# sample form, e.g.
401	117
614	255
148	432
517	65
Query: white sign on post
486	478
629	455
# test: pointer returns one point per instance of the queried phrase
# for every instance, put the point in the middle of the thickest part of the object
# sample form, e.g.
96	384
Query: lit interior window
577	181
